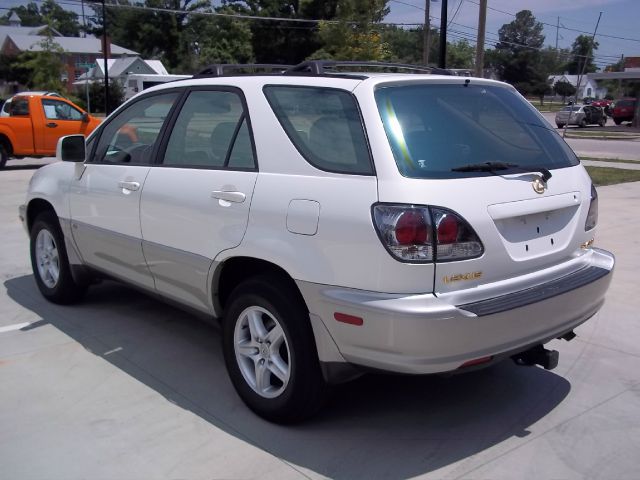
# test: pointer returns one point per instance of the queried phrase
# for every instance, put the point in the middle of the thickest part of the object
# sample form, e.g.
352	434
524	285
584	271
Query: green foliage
564	89
13	70
460	54
45	66
357	34
96	96
63	21
405	45
582	50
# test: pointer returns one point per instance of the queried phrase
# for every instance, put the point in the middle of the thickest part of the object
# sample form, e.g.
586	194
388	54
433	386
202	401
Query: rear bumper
428	334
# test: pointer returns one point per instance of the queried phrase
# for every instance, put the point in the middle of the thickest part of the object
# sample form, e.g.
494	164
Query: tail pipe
538	355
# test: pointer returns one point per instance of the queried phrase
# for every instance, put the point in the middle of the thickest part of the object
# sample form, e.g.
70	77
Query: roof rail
227	69
321	67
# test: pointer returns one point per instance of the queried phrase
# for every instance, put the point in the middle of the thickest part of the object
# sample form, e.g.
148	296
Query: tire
617	121
583	123
50	262
4	156
603	121
560	125
281	383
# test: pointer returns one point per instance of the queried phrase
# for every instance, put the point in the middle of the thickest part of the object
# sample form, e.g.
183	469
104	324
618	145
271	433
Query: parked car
581	115
624	110
6	107
36	122
324	217
604	104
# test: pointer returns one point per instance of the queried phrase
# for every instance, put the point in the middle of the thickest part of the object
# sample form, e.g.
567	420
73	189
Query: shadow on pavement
379	426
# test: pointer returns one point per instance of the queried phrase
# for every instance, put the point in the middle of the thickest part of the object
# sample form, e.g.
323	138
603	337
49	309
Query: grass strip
616	160
601	176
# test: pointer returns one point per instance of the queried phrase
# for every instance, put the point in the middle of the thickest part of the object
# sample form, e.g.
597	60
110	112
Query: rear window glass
570	109
436	128
325	126
625	103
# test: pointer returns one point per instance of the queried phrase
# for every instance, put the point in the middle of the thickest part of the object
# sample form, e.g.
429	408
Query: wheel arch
233	271
35	207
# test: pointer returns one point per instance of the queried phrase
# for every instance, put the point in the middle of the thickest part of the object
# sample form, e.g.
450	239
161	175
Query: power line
562	27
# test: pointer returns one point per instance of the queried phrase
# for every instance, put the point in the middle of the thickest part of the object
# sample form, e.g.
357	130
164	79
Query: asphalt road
622	149
124	387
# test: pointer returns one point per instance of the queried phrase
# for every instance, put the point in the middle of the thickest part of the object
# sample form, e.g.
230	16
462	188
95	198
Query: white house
588	86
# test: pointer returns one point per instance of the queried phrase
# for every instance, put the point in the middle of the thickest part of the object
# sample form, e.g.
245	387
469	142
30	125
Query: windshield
436	128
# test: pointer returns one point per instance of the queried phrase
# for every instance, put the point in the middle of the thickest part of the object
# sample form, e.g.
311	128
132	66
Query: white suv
335	222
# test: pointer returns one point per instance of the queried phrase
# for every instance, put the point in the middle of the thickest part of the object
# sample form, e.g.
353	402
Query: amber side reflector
350	319
477	361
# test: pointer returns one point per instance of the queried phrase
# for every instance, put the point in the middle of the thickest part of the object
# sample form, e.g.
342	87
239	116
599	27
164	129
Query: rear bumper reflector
350	319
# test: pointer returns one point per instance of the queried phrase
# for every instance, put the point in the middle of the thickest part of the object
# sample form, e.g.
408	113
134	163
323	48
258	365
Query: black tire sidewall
294	403
4	156
65	291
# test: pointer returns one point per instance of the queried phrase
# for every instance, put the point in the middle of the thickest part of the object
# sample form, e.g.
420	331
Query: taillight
423	234
592	216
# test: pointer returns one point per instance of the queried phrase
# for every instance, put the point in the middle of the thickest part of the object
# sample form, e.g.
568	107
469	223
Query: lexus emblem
539	186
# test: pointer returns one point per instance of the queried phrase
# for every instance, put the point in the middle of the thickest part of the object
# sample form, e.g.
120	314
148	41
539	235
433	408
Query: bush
96	96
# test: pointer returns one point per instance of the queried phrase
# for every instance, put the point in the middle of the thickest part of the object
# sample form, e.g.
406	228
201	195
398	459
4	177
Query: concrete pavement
124	387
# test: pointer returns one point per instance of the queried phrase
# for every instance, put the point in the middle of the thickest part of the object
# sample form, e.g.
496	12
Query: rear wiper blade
484	167
494	166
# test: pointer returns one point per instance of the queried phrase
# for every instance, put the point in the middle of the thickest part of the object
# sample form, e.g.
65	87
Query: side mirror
85	117
71	149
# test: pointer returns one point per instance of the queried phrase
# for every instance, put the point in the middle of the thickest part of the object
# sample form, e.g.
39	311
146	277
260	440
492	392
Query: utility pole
426	35
482	24
557	34
104	52
442	61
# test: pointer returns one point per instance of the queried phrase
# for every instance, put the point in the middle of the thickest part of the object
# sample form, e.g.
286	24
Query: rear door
442	136
195	201
105	200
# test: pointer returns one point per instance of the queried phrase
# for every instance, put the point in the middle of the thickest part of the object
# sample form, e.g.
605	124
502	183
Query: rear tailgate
442	138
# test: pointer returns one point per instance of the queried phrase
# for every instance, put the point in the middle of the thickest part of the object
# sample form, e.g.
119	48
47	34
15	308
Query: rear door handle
234	197
52	124
132	186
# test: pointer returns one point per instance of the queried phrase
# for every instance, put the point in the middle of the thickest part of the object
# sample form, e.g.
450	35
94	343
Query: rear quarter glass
435	128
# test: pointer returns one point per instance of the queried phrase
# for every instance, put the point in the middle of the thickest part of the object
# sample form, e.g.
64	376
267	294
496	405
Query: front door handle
234	197
132	186
52	124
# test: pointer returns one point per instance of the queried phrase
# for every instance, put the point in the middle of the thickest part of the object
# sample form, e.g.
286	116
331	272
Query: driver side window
129	138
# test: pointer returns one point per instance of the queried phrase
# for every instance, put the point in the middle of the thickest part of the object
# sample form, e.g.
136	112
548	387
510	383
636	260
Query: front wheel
617	121
50	262
270	351
4	156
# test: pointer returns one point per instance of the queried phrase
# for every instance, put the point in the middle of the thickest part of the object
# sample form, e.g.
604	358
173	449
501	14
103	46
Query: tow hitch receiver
538	355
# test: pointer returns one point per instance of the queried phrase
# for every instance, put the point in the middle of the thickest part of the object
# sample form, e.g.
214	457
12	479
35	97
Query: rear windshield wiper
495	166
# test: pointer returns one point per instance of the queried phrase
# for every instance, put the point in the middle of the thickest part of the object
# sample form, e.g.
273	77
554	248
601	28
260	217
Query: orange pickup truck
35	123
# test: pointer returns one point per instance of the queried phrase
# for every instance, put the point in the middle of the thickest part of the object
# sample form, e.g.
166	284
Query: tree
581	52
49	13
565	89
517	54
357	35
460	54
45	66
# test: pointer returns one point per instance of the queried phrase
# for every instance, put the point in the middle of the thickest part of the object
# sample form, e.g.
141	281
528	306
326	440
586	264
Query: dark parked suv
623	110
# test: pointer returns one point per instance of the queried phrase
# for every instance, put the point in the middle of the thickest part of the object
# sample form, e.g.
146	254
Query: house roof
572	79
124	65
86	45
13	30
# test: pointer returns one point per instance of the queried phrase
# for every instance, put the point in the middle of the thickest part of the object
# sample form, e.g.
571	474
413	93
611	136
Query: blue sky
620	18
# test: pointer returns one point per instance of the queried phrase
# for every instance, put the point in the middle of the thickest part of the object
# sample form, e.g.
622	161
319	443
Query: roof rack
321	67
223	69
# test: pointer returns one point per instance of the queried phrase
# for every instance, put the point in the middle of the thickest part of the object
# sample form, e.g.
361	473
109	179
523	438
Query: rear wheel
4	156
583	123
617	121
270	351
560	125
50	262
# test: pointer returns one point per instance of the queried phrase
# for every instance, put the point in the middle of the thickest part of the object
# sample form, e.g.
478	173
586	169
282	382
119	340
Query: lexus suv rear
334	222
